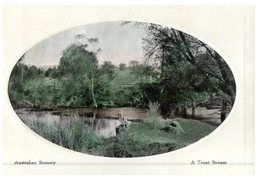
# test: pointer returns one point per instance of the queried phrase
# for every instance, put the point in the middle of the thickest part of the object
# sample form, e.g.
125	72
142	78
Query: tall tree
187	65
122	66
79	61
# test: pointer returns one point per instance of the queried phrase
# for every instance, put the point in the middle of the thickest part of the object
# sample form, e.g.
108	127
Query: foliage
76	61
153	114
76	135
179	71
122	66
185	63
137	140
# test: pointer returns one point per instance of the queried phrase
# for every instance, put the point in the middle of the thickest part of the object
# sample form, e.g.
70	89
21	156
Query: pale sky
118	43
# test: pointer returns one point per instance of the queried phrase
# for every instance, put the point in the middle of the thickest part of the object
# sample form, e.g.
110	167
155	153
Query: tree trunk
223	111
185	115
193	110
177	111
165	110
92	91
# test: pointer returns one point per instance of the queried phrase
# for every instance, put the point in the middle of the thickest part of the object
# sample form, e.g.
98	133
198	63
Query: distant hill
125	77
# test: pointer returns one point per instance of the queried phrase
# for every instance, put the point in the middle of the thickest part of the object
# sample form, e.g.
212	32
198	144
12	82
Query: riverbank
140	139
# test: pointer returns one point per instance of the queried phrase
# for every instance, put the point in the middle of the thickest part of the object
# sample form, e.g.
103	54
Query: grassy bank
140	139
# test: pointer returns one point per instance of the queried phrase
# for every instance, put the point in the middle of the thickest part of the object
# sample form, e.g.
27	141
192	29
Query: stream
105	123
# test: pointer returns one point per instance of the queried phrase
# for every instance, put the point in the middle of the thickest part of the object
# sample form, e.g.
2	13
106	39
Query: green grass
139	139
194	131
124	78
145	140
75	135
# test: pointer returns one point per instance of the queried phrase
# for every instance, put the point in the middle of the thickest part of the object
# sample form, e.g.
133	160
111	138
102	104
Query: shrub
75	135
153	114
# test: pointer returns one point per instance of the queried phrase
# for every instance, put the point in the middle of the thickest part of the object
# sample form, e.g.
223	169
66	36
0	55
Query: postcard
129	90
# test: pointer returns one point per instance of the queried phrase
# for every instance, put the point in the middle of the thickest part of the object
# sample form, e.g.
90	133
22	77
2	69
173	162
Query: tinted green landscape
179	94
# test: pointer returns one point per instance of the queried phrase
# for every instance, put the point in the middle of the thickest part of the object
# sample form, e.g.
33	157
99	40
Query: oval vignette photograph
122	89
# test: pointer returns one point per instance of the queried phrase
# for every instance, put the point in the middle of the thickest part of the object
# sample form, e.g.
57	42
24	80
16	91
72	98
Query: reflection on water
107	119
102	126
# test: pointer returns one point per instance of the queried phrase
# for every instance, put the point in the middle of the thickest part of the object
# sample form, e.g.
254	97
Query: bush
153	114
75	135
